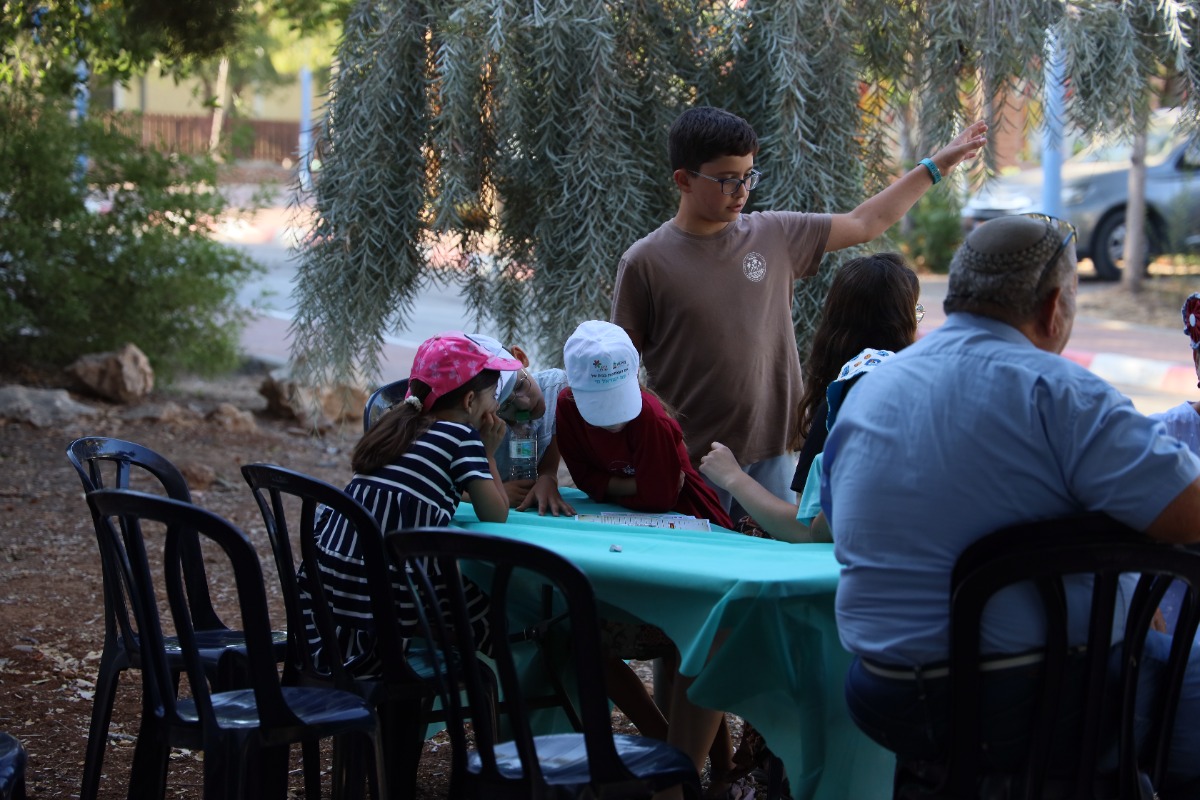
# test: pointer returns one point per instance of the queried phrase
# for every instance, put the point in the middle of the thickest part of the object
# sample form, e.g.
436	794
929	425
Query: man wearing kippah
980	425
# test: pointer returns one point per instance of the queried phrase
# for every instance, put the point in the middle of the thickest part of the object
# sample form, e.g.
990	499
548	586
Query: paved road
1148	364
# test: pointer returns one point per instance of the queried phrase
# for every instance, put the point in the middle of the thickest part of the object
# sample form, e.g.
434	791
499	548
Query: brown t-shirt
715	316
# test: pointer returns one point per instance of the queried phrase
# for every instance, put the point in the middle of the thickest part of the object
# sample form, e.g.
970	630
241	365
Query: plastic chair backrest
13	761
185	522
1090	545
133	466
270	484
381	400
511	574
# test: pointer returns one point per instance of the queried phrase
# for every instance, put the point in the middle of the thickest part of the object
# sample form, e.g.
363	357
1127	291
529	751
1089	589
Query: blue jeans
912	717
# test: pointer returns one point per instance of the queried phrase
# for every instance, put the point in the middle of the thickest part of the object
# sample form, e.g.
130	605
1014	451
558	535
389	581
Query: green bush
935	232
141	269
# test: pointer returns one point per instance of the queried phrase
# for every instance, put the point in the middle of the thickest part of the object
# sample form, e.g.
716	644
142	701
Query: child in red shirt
617	440
621	446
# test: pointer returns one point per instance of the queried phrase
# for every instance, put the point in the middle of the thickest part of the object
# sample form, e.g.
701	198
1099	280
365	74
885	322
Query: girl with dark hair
871	305
410	469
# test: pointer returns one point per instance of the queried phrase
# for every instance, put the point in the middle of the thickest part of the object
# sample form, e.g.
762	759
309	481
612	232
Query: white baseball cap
508	378
602	371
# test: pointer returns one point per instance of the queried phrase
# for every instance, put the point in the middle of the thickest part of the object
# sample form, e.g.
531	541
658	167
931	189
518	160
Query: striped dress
420	489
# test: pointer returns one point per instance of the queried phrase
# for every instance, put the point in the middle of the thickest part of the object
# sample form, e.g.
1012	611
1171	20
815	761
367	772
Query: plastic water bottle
522	451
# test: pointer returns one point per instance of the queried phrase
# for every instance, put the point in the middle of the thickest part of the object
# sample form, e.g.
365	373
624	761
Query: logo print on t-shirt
754	266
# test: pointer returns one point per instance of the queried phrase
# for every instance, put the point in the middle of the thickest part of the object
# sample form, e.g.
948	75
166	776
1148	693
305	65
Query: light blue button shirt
969	430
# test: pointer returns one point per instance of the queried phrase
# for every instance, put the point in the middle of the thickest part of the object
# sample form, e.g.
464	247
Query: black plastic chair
381	400
1044	552
12	768
244	733
105	462
594	763
403	694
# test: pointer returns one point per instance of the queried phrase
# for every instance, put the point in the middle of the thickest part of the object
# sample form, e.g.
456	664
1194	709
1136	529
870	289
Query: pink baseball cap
448	360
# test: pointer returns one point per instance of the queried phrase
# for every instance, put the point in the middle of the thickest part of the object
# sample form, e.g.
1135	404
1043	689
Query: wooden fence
258	140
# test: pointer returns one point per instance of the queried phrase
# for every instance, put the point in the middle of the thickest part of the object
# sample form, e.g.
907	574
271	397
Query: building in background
258	121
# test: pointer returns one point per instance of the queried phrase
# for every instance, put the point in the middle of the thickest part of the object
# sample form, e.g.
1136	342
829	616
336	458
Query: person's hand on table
518	490
546	498
720	466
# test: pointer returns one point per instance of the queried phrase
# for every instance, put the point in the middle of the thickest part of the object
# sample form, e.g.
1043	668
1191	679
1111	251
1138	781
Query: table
782	665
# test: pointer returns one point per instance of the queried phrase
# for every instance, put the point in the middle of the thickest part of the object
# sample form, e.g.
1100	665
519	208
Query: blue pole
1052	138
305	127
82	95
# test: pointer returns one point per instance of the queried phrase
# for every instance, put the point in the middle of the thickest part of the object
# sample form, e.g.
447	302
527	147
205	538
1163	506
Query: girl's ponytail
394	433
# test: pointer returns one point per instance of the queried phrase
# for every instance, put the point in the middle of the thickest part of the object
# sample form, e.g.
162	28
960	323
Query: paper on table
673	521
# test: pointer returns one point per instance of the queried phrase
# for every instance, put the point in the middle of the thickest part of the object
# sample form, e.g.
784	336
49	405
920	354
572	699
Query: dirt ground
50	586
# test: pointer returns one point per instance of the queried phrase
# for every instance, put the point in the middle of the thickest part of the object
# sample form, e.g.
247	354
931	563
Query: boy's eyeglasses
731	185
920	312
520	389
1064	227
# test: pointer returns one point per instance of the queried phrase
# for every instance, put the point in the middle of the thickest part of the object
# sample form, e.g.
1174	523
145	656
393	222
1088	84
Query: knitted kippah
1006	245
1191	318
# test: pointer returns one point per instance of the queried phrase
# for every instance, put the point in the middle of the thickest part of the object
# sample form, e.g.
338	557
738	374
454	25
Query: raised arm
878	213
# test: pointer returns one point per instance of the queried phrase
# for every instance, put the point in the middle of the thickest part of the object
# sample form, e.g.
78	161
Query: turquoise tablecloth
781	667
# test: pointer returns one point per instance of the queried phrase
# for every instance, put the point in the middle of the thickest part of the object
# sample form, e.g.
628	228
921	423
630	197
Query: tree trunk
1135	210
218	120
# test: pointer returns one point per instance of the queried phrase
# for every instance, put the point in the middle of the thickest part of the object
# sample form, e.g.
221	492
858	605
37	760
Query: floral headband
1191	314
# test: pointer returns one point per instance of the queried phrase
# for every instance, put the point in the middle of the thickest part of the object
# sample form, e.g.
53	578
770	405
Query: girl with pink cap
410	470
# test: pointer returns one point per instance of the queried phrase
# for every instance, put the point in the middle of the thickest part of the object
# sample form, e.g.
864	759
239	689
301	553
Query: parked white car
1095	187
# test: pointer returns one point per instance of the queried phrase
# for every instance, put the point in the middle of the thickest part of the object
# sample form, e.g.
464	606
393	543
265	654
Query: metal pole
305	144
1052	138
82	95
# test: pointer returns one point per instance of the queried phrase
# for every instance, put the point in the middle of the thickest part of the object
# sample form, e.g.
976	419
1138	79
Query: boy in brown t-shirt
707	297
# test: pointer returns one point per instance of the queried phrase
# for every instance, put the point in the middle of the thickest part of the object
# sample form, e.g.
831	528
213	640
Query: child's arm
621	487
821	531
658	470
488	496
776	516
587	477
545	494
878	213
571	439
491	504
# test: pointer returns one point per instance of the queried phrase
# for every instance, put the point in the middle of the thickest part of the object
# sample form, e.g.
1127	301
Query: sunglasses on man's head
1068	233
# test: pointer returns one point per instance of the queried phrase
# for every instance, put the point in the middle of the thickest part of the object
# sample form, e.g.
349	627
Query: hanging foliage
516	148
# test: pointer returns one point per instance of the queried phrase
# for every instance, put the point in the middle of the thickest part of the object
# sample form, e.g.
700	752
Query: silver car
1095	185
